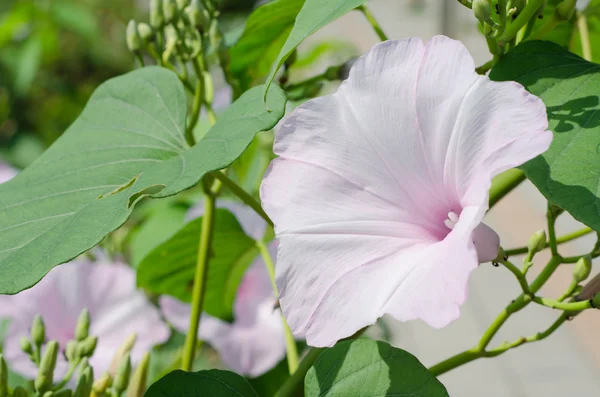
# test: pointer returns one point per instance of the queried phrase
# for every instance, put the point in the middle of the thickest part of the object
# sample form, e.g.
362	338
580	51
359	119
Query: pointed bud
483	11
45	375
71	350
122	377
537	242
170	11
102	383
123	350
582	269
26	345
131	36
157	19
137	386
84	383
145	32
20	392
38	331
87	347
82	329
565	10
3	377
590	289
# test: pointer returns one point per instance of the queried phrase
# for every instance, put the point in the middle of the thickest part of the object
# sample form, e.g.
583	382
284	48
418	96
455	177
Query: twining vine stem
376	26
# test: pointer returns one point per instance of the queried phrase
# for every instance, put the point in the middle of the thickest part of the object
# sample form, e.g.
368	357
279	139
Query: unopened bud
38	331
82	329
145	32
170	11
87	347
121	352
20	392
43	380
511	12
71	350
582	269
565	10
131	36
482	11
49	393
537	242
590	289
157	19
3	377
137	386
102	383
26	345
84	383
122	376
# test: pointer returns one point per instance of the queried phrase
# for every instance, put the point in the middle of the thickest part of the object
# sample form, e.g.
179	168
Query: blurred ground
568	362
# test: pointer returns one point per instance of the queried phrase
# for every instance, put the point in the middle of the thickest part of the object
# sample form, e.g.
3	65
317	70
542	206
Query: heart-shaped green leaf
127	143
364	368
568	174
203	383
170	267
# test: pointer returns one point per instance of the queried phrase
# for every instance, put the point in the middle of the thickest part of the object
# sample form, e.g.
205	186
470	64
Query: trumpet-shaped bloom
255	342
6	172
117	310
379	190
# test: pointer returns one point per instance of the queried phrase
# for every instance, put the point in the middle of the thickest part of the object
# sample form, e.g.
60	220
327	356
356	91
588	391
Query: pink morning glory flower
254	342
6	172
117	310
379	190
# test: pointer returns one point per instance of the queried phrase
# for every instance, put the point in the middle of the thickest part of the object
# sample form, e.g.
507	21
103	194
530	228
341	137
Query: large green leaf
568	174
169	268
127	143
364	368
314	15
265	33
208	383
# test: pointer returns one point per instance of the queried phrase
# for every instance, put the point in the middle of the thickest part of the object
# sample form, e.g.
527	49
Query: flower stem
585	36
546	28
504	183
242	195
569	306
524	16
518	274
198	96
485	67
560	240
294	385
290	342
206	234
367	13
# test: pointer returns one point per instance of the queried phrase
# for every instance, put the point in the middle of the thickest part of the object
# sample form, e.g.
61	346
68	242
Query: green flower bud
145	32
71	350
121	352
102	384
565	10
133	39
84	383
482	10
43	380
20	392
537	242
49	393
157	19
3	377
82	329
87	347
170	11
38	331
582	269
26	345
122	376
138	381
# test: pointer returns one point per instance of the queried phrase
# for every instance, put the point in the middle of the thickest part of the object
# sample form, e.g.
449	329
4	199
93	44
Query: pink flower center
452	220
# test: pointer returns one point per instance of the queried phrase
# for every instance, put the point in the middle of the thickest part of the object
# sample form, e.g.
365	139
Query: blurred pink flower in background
6	172
255	342
117	310
379	190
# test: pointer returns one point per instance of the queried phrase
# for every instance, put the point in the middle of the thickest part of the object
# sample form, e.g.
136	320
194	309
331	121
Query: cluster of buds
115	383
177	28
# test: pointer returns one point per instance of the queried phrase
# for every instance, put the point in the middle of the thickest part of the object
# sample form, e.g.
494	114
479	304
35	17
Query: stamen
452	220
